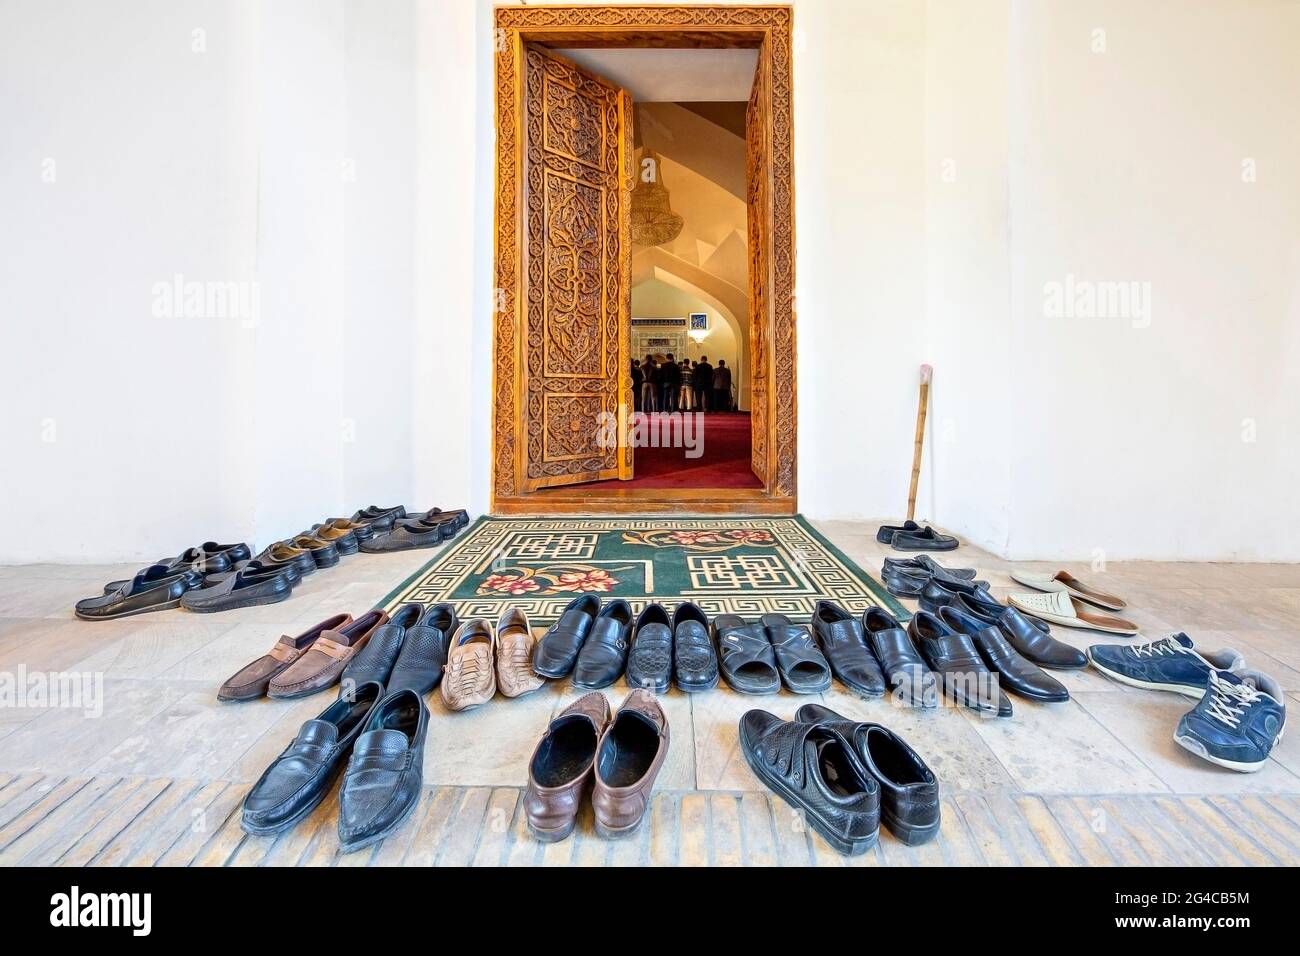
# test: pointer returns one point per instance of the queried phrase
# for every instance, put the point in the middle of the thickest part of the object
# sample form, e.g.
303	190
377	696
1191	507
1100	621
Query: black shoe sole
166	606
910	833
243	602
776	785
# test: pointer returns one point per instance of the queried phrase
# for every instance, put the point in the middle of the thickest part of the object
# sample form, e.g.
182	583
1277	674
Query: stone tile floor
157	777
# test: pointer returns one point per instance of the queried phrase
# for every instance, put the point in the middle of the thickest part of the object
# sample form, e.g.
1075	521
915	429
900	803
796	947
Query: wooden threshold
612	501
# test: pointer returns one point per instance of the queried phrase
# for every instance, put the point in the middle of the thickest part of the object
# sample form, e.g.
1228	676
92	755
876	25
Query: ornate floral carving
572	123
517	333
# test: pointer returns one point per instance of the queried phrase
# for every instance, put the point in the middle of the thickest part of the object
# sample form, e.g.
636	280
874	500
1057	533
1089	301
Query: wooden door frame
767	28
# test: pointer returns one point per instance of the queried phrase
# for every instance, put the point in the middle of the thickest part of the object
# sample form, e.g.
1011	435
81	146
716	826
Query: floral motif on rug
737	565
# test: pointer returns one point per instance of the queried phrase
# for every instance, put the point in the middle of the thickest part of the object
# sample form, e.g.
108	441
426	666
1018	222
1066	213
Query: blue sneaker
1238	721
1169	664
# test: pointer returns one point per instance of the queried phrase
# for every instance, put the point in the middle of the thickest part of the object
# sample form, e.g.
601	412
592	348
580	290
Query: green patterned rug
746	566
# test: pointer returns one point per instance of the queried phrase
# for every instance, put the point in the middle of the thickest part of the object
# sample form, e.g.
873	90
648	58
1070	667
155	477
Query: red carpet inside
721	443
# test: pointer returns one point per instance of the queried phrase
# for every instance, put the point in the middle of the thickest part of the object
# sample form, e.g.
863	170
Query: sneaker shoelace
1230	701
1160	648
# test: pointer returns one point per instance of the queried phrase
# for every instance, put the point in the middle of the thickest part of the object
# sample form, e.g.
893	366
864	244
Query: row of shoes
419	647
1240	713
588	749
221	577
596	644
376	738
910	536
846	777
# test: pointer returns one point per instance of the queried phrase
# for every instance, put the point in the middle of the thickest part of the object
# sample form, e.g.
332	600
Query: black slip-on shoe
379	518
558	649
910	680
843	641
695	661
924	539
155	588
244	588
1018	674
424	652
298	780
604	652
650	658
909	790
374	662
963	676
409	534
924	564
207	558
381	785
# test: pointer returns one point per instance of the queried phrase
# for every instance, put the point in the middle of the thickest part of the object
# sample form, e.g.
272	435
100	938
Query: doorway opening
644	335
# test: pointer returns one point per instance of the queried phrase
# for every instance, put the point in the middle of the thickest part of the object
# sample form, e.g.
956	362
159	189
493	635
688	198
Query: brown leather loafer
324	661
631	751
561	768
251	681
515	642
471	677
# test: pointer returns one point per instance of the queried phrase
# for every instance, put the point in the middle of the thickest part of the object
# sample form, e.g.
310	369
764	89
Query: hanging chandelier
653	219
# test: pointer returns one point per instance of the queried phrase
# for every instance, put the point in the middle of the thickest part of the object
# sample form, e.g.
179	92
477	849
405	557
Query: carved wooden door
577	178
758	196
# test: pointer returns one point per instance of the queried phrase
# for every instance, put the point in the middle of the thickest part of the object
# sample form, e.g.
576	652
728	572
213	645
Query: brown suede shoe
631	751
324	661
251	681
471	676
515	642
560	770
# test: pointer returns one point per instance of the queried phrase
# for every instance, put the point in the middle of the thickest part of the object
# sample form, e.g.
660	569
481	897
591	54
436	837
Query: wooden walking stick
922	406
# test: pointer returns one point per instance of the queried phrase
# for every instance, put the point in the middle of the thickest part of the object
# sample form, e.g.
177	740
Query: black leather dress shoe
909	790
650	658
424	651
964	677
382	783
374	662
695	661
844	643
936	594
381	519
245	588
298	780
983	605
408	534
885	533
155	588
903	666
604	652
814	768
1024	634
924	564
924	539
1018	675
904	584
559	646
257	566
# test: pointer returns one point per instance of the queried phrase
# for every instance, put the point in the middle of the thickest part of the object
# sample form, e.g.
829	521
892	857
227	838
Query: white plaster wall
1051	438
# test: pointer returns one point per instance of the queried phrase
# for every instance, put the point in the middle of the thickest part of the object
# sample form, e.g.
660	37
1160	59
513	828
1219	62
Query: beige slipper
471	675
1064	581
1057	607
515	642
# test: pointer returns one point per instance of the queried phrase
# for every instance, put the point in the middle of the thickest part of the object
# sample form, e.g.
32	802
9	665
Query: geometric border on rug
728	565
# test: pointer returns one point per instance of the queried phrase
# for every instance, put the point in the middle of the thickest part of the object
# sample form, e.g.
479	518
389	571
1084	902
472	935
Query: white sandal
1057	607
1064	581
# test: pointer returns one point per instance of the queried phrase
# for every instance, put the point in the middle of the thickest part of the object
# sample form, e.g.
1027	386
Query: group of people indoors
667	385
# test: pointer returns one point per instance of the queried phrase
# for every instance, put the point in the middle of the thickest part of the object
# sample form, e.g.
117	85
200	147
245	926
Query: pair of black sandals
758	658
